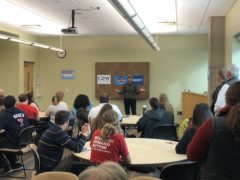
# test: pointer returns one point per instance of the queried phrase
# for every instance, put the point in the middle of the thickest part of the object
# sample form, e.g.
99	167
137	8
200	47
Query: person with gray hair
232	75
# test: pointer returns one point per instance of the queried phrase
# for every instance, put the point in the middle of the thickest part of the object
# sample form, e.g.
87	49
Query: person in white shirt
232	76
104	99
54	108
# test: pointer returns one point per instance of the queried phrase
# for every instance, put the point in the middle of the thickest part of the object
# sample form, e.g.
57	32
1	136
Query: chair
36	159
59	175
167	132
187	170
25	138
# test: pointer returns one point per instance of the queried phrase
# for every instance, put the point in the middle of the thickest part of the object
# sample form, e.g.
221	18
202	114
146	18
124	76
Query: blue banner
119	80
138	79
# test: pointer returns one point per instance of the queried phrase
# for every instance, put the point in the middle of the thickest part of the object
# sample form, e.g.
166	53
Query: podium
189	100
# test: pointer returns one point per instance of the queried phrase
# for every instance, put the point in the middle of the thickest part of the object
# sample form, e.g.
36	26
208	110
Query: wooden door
28	77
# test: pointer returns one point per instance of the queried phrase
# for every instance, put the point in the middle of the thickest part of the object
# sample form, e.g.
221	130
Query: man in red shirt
31	111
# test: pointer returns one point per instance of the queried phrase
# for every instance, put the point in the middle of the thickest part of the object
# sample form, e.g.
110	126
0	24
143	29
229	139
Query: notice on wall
103	79
67	74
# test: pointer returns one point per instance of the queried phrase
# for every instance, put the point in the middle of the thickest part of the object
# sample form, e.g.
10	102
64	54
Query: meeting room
120	89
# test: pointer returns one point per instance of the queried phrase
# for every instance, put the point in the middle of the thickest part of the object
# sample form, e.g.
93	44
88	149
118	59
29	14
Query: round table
143	151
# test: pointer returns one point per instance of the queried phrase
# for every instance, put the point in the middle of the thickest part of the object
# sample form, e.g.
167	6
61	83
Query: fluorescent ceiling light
16	15
56	49
20	41
128	12
41	45
3	36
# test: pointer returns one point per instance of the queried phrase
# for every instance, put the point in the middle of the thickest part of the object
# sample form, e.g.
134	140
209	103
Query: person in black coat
152	118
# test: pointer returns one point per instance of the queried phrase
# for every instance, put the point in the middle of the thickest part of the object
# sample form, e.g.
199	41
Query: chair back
187	170
25	136
36	158
59	175
167	132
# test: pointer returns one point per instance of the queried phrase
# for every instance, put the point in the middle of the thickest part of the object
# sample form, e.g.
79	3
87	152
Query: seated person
31	111
217	141
57	105
108	143
2	108
152	118
106	171
55	139
31	101
103	99
12	121
201	113
184	125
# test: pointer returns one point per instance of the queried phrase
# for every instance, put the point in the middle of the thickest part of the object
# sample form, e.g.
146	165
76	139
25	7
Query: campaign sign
119	80
138	79
67	74
103	79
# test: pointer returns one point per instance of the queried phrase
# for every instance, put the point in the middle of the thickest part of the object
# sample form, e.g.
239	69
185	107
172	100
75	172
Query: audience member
53	109
31	101
31	111
1	93
221	78
108	143
2	108
12	121
129	92
55	139
217	142
81	103
165	104
184	125
153	118
104	99
232	76
201	113
105	171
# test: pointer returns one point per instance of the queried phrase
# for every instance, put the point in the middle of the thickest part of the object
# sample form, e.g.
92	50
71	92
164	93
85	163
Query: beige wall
232	25
181	64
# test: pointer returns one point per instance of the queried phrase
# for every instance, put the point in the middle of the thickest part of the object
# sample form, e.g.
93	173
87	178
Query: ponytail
233	120
108	130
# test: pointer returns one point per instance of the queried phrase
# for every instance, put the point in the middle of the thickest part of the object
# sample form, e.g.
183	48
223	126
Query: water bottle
144	109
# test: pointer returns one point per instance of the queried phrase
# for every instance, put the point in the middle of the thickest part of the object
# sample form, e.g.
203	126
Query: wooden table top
42	114
143	151
130	120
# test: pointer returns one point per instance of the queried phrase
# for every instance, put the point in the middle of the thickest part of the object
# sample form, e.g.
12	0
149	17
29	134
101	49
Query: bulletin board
107	72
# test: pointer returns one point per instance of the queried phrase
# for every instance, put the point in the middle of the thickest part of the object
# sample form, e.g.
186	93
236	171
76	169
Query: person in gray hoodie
152	118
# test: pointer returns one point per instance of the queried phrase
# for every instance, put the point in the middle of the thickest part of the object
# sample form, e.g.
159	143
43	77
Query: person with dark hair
2	108
201	113
221	78
153	118
103	99
12	121
217	141
31	101
31	111
129	92
55	139
108	143
81	103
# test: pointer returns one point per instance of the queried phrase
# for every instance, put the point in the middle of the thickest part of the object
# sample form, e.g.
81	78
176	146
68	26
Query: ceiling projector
70	30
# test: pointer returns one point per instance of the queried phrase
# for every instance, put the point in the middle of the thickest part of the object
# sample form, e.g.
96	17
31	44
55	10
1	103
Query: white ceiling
191	16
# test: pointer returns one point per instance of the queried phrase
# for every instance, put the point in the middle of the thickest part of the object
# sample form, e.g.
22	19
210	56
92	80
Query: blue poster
138	79
119	80
67	74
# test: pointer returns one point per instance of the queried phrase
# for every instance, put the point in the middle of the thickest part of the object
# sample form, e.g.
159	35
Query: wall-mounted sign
67	74
103	79
119	80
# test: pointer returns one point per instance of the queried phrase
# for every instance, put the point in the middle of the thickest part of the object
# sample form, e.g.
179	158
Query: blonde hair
107	171
60	95
164	103
110	124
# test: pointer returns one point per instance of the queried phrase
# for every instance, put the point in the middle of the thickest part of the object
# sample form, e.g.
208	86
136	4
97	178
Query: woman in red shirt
108	143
